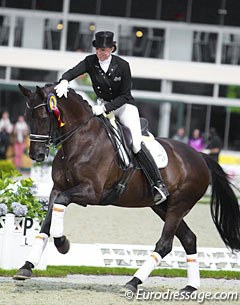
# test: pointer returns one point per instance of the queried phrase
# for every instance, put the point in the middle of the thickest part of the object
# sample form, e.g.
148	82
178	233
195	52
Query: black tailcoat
114	86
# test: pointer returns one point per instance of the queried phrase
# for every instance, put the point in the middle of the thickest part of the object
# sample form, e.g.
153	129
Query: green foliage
16	190
6	166
232	91
234	109
163	272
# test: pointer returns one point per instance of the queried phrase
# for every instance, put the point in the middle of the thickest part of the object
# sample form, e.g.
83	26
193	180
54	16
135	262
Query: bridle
49	139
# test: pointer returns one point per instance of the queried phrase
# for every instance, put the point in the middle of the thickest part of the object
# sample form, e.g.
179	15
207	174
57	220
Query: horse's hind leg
173	225
189	242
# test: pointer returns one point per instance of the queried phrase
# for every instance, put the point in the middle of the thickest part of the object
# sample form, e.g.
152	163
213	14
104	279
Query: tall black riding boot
153	174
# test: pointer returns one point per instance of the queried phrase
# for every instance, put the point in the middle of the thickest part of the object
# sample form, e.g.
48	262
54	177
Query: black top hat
104	39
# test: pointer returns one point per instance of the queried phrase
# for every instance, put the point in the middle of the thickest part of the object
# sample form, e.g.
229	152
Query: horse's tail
224	205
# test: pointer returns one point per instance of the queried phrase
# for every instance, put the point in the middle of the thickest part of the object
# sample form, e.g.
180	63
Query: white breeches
128	115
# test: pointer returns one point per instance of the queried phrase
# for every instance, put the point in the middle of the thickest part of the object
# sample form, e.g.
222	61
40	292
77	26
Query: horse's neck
74	113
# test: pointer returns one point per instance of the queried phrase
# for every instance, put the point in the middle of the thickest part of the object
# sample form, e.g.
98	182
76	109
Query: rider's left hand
98	109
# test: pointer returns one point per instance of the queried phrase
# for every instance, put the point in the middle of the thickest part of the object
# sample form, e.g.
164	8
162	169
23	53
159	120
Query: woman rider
111	81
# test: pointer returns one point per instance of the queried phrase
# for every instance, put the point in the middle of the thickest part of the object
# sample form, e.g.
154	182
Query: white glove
62	88
206	151
98	109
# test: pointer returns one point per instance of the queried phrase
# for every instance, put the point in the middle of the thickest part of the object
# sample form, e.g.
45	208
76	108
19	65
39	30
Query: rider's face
103	53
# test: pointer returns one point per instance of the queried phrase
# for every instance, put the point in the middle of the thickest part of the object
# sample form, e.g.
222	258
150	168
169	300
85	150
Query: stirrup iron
159	195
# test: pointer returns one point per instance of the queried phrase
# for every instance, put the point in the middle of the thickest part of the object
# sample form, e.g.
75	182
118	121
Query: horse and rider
86	170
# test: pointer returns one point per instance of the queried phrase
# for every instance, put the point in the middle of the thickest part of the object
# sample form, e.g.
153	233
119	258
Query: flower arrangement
17	196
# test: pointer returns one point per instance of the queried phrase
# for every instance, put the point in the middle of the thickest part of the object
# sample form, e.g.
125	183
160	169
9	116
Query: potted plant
21	213
17	196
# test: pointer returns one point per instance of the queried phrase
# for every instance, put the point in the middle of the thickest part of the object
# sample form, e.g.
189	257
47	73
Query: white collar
106	61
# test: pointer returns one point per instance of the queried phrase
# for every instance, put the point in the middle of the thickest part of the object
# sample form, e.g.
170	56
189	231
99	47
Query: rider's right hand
62	88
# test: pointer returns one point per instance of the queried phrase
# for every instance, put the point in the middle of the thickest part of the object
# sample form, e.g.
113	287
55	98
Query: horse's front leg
62	244
40	243
81	194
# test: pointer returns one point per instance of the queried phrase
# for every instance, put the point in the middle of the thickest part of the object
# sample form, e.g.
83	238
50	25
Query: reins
63	138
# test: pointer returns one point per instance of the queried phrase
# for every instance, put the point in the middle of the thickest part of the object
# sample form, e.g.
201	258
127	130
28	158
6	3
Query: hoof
62	244
22	274
188	290
132	285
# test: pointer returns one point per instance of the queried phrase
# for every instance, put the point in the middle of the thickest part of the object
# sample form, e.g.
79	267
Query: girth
119	188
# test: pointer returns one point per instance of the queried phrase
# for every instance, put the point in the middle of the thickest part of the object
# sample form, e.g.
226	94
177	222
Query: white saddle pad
157	151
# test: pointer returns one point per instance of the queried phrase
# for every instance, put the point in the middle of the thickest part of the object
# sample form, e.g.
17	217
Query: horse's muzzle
39	157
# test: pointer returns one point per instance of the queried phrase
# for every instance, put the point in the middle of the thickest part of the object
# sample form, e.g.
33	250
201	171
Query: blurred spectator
20	133
6	128
180	135
196	141
214	144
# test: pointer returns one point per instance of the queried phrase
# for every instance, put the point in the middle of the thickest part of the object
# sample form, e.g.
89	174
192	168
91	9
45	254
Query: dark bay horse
86	170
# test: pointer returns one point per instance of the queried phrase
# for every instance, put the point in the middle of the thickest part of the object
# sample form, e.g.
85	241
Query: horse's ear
40	92
26	92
